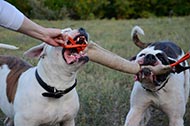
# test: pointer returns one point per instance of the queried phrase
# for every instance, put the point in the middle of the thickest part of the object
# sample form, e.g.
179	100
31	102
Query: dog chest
17	67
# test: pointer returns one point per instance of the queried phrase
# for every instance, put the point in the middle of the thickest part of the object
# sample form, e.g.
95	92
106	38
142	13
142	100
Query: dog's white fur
137	29
171	99
30	108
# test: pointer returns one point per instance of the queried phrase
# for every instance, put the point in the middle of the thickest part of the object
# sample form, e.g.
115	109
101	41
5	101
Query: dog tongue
71	58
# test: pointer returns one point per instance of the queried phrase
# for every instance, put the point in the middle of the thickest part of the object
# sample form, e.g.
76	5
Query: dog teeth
81	52
143	76
85	41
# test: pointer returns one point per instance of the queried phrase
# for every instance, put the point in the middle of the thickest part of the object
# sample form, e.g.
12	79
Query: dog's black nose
149	59
82	30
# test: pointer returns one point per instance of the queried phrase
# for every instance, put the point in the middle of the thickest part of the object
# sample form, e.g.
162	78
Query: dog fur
21	97
168	92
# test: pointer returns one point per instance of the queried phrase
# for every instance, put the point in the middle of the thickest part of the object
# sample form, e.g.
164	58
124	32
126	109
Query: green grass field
104	93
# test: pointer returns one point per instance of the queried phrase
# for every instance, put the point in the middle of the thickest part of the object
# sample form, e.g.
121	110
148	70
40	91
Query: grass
104	93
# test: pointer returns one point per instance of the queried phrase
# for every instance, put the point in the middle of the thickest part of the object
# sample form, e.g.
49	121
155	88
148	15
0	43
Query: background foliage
101	9
104	93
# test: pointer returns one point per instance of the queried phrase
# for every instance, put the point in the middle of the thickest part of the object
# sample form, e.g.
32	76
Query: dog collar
52	92
162	86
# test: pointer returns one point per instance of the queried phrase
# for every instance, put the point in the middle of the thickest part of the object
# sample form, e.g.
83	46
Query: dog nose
150	59
82	30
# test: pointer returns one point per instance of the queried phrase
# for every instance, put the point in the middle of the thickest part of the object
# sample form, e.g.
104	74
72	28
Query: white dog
44	94
168	92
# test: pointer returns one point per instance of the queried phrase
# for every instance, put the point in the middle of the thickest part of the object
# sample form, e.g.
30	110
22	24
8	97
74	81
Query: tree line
101	9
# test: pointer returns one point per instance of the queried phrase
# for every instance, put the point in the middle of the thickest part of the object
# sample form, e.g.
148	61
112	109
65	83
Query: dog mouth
76	54
71	56
146	76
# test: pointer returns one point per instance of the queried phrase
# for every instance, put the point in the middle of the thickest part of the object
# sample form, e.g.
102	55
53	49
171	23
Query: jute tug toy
101	56
104	57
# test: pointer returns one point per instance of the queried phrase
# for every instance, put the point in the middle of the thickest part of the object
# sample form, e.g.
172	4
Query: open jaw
147	77
73	55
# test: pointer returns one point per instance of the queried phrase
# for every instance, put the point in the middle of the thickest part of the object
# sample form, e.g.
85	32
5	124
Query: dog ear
164	59
35	51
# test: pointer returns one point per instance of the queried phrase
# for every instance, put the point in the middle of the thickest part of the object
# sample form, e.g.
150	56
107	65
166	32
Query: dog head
59	57
153	54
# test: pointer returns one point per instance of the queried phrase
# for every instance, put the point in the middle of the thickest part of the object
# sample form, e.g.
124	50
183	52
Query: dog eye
141	55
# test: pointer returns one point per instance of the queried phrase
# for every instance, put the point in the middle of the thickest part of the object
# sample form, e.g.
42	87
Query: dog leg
146	117
175	113
134	116
8	122
139	103
176	121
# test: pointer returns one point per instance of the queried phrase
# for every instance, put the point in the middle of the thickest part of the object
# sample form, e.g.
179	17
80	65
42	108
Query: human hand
51	36
54	36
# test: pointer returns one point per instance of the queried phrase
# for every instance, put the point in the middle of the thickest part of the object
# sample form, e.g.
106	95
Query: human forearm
32	29
12	18
52	36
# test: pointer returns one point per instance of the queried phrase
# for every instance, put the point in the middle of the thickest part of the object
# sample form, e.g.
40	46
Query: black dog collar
52	91
162	86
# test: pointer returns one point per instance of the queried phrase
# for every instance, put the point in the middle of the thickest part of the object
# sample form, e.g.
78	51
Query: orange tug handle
185	57
79	47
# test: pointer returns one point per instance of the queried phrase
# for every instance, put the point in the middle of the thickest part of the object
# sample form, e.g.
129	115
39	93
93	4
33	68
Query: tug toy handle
79	47
185	57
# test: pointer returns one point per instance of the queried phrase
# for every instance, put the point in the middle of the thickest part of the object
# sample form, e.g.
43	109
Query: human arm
51	36
13	19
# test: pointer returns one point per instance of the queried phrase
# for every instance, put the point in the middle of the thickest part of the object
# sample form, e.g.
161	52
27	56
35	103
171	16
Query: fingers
52	42
55	37
62	37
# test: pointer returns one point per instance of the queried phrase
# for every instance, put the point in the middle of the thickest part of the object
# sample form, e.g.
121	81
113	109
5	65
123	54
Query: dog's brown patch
17	67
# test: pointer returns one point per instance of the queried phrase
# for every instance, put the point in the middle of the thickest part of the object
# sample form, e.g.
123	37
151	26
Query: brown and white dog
44	94
168	92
